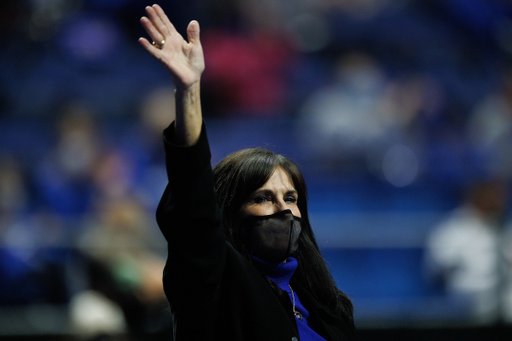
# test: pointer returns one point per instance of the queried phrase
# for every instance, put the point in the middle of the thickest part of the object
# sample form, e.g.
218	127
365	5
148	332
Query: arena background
392	109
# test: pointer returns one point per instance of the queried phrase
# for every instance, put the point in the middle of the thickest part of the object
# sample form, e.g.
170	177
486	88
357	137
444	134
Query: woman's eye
291	199
261	199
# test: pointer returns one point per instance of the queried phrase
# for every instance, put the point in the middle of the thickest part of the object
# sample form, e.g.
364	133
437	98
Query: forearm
188	115
188	207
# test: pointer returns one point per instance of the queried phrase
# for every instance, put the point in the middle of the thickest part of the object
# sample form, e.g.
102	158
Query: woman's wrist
188	114
187	91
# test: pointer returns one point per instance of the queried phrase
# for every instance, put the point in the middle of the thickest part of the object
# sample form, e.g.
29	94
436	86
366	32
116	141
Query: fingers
149	47
145	43
150	28
157	25
193	32
164	19
157	22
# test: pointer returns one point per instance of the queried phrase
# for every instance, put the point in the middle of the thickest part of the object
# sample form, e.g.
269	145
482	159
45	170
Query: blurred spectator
64	177
32	245
13	191
112	175
16	251
489	128
123	268
348	112
342	122
467	253
156	112
139	150
246	73
416	103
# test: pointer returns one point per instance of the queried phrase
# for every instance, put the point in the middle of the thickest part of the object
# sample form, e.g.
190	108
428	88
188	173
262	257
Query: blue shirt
280	274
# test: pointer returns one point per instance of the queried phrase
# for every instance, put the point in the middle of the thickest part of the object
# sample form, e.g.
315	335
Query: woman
243	262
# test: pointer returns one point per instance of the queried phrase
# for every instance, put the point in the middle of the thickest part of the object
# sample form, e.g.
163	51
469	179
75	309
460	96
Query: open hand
184	60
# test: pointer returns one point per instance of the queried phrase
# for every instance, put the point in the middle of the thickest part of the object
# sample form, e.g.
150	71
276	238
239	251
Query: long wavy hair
240	174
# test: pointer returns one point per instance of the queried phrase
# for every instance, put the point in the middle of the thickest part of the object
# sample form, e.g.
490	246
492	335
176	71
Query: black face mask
273	237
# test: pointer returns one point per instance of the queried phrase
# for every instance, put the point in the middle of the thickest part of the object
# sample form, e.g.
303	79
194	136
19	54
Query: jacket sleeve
190	221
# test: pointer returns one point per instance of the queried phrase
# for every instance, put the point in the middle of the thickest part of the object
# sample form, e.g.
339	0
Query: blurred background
399	113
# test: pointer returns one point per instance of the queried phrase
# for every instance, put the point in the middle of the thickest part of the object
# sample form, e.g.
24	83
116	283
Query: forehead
279	178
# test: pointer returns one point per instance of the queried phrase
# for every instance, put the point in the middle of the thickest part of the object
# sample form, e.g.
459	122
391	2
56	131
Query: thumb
193	32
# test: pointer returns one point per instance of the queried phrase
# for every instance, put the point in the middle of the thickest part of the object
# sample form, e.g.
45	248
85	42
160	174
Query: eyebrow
269	191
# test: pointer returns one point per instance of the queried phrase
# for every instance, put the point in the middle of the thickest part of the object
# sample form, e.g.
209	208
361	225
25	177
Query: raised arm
185	63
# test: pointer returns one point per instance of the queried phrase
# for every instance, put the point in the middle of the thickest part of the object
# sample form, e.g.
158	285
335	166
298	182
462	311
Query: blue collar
279	273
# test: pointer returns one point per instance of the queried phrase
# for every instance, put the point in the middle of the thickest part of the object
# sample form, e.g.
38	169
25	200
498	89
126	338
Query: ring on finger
159	45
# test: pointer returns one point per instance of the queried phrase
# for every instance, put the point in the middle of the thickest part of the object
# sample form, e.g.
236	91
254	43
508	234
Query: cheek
296	210
249	210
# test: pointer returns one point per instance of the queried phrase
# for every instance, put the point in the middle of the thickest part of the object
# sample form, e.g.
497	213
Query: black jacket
214	292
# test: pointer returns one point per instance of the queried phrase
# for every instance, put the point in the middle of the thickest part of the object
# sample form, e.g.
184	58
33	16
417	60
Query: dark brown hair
240	174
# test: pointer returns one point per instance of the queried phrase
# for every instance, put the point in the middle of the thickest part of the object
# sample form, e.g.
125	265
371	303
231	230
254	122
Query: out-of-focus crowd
409	92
